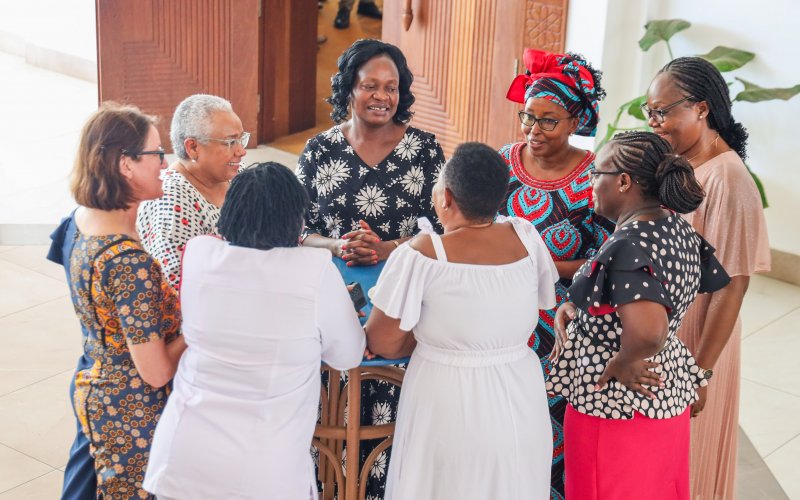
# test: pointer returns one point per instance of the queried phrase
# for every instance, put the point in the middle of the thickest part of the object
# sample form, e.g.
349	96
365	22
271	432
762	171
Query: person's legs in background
365	8
80	478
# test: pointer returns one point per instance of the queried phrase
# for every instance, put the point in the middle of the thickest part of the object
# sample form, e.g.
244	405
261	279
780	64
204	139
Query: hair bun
678	188
671	164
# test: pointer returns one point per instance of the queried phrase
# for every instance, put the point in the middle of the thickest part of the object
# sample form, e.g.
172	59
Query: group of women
548	301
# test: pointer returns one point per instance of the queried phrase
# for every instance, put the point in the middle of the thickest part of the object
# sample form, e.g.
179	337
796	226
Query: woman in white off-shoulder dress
473	420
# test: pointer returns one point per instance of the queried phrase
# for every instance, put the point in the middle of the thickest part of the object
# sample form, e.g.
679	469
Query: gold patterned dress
121	299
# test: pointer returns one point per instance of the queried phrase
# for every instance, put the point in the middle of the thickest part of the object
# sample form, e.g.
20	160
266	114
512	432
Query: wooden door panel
155	53
464	54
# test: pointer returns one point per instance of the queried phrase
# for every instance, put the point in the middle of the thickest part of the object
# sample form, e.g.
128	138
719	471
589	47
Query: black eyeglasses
597	173
134	154
659	115
546	124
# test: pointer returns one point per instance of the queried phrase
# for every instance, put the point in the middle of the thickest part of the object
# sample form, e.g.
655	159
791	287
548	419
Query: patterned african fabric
663	261
390	197
562	212
564	79
167	223
121	299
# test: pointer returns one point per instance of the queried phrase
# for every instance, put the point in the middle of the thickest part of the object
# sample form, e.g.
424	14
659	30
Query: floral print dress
121	299
390	197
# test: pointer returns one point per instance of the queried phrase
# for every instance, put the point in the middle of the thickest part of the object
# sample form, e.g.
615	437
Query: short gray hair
192	118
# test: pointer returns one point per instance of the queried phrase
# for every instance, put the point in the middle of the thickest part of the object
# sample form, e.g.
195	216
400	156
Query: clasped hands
363	247
635	374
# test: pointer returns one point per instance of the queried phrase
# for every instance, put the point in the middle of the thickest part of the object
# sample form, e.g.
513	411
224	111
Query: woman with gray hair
209	141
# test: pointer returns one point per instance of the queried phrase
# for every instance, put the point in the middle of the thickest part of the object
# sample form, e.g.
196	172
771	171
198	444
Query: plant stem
669	49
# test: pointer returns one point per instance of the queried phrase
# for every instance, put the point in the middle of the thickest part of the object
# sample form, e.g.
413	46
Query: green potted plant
725	59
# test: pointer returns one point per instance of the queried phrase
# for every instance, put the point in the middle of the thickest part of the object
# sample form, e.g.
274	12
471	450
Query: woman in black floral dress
370	179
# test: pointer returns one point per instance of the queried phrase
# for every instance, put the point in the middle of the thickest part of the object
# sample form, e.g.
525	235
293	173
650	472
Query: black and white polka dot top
663	261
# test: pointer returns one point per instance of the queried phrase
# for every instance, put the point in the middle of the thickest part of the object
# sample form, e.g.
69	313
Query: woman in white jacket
260	314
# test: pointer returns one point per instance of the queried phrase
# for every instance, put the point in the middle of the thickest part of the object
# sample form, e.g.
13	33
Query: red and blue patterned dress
563	213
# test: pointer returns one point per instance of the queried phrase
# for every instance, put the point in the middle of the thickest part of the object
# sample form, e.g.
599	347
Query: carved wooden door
154	53
464	55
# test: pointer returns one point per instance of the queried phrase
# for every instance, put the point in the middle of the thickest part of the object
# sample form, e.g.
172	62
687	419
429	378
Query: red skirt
623	459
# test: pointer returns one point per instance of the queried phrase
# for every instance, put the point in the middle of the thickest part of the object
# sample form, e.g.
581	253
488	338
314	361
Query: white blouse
257	323
166	224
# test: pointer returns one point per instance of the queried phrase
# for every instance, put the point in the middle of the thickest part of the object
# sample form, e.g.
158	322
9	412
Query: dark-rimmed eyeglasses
597	173
242	140
659	115
135	154
546	124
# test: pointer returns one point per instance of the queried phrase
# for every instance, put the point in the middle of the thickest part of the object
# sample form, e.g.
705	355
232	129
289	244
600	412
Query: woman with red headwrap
549	185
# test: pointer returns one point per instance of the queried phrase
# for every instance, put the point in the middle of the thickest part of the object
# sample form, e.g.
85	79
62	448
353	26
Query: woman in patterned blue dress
550	186
128	310
370	179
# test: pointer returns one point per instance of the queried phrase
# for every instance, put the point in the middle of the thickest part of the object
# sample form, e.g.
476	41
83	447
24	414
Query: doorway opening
336	41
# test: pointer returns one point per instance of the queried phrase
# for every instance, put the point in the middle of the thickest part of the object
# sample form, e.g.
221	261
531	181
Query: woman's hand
697	406
633	374
363	247
564	316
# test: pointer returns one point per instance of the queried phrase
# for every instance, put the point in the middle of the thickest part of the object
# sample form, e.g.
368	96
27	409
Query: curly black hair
350	62
597	75
478	178
702	80
662	175
264	208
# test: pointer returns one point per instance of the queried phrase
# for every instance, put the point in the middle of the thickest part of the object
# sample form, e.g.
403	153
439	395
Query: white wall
67	26
607	32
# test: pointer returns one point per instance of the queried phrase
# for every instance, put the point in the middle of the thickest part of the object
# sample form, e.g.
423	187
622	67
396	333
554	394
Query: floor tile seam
30	269
52	468
32	458
779	447
762	384
761	328
33	306
26	482
2	396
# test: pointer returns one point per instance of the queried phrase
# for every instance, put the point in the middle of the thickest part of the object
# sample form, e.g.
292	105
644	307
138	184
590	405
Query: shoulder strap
441	255
524	235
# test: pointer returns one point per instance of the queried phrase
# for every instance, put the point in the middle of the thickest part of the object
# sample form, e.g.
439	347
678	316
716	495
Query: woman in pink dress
688	104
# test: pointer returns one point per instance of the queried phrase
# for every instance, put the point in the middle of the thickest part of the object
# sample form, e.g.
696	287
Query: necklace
713	144
637	213
474	226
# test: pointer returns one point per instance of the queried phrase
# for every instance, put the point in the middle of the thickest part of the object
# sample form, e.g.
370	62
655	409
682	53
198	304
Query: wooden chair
333	434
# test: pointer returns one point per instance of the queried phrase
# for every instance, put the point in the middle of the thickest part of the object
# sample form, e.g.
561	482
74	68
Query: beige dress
731	219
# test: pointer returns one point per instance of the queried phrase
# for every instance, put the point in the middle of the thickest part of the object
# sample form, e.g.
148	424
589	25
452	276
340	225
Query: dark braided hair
701	79
478	179
264	208
351	61
650	162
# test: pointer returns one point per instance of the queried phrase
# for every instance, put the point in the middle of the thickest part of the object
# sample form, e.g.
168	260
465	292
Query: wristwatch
706	374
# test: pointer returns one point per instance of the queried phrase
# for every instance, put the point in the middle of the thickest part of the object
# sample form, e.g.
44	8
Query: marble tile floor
39	334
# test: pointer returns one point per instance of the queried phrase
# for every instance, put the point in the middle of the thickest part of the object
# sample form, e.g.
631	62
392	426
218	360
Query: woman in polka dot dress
628	379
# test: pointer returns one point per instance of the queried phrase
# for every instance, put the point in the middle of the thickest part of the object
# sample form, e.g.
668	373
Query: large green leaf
754	93
634	107
661	30
728	59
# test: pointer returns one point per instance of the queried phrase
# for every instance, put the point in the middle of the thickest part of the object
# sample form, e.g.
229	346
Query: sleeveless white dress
473	420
